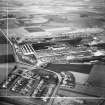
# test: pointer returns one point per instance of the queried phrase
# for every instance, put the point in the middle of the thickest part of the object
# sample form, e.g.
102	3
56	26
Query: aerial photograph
52	52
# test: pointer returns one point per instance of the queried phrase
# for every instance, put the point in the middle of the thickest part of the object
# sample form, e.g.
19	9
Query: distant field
57	13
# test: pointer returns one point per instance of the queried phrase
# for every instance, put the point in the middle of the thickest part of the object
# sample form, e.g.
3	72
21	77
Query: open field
58	13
